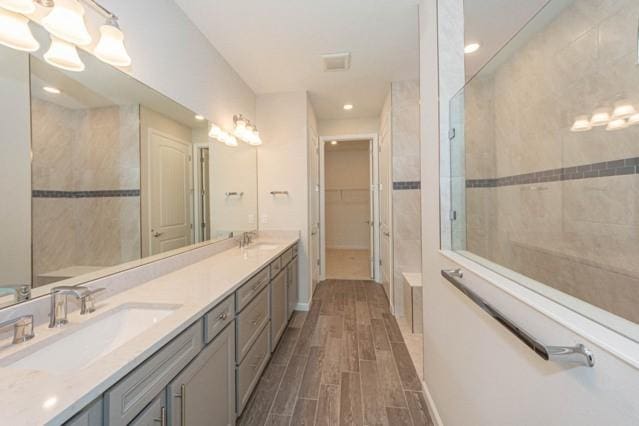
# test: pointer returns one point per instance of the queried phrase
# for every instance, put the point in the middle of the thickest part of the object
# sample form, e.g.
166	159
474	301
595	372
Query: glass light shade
15	32
66	21
230	140
63	55
215	132
617	124
25	7
633	119
110	48
581	124
255	139
623	109
600	118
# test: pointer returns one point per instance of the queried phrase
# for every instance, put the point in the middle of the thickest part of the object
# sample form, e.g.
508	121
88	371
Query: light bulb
15	32
601	117
255	139
63	55
110	48
66	21
26	7
617	124
623	109
215	132
348	107
230	140
581	124
471	48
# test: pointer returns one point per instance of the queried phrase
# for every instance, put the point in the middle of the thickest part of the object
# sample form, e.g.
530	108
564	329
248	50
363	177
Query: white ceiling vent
337	61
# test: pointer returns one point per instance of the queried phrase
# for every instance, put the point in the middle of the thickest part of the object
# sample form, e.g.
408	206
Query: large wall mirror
99	171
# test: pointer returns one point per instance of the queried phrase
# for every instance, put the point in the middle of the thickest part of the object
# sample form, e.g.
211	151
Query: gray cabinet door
278	308
90	416
291	287
204	392
154	414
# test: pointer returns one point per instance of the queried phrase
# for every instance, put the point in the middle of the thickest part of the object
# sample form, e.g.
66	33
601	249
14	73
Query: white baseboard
304	307
431	406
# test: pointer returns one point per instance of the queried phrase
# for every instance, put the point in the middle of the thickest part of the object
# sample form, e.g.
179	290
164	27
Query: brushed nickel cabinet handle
182	396
223	316
162	419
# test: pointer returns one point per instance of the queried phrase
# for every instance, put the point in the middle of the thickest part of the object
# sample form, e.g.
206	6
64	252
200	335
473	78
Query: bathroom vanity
213	327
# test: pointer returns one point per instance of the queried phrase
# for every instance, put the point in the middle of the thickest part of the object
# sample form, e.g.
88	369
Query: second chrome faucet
59	307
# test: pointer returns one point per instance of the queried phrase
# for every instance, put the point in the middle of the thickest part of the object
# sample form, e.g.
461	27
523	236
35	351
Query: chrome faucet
246	239
59	308
22	328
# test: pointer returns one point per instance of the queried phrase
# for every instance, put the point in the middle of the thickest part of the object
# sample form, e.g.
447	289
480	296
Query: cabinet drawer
286	257
276	266
251	288
218	318
250	322
89	416
125	400
249	371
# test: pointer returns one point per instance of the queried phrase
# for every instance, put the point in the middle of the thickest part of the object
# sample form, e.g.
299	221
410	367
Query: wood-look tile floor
343	363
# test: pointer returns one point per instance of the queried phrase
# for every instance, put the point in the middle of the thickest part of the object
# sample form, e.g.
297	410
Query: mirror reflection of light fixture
633	119
110	48
471	48
623	109
25	7
581	124
63	55
617	124
52	90
15	32
246	131
66	21
601	117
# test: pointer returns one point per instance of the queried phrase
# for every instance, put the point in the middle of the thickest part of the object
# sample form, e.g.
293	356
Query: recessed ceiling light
333	142
198	117
471	48
348	107
52	90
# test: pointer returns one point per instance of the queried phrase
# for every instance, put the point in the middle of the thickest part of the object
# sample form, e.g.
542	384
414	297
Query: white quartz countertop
30	397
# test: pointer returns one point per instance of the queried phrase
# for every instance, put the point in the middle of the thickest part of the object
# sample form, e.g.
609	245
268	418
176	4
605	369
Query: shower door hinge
453	215
451	134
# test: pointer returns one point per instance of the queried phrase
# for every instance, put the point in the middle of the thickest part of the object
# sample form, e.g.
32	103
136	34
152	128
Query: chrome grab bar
279	193
578	354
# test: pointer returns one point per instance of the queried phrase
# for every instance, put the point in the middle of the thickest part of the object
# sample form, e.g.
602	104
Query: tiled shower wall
86	181
406	184
572	220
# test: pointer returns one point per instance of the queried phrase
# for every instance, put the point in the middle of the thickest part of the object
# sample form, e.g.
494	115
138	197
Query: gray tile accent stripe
627	166
398	186
36	193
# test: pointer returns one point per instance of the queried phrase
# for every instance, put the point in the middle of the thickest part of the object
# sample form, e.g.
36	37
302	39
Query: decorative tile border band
86	194
627	166
399	186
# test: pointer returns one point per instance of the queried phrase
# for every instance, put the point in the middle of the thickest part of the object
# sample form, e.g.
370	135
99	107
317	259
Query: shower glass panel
544	161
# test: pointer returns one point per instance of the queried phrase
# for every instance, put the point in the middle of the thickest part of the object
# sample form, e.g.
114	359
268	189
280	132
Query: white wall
353	126
172	56
476	372
347	177
15	169
283	166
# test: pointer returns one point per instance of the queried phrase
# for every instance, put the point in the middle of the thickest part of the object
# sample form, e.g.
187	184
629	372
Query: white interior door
385	192
316	252
170	193
371	209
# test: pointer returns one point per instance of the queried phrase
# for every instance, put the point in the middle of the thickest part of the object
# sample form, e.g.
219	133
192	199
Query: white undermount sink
263	246
88	343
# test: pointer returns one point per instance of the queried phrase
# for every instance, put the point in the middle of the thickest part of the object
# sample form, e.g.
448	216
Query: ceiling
276	46
492	23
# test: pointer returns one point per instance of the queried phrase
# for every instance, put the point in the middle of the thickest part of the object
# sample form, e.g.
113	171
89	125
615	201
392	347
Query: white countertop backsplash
197	280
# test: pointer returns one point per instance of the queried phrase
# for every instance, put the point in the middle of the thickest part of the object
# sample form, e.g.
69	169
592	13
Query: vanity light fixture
66	21
601	117
633	119
471	48
246	131
52	90
110	48
617	124
623	109
63	55
581	124
215	132
25	7
229	140
348	107
15	32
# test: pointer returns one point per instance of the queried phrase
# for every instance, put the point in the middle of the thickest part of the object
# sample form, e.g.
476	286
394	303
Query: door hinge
453	215
451	134
380	262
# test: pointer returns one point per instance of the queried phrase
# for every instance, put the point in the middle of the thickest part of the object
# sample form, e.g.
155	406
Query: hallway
344	264
345	362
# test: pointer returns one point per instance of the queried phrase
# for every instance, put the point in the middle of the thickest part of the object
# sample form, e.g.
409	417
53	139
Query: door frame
197	204
149	184
374	188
